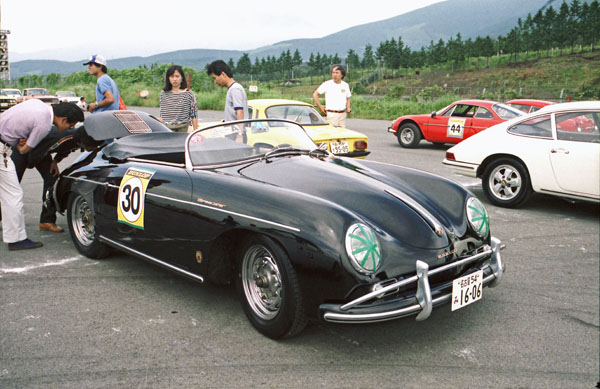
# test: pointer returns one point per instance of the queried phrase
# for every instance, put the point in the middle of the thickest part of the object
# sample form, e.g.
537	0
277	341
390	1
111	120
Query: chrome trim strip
150	258
429	218
227	212
196	204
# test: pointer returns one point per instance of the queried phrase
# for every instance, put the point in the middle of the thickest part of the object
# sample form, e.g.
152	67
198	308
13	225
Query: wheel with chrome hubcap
409	135
506	182
82	227
269	288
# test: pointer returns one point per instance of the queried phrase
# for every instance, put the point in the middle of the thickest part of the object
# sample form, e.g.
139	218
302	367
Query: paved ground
68	321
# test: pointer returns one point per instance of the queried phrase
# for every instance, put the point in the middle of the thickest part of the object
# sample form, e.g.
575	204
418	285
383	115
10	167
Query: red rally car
452	124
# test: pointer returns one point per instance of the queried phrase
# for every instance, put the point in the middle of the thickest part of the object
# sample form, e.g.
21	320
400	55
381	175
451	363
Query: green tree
297	58
368	60
352	59
244	64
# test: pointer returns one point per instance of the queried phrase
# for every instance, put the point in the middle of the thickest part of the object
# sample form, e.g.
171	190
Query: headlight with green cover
478	217
363	248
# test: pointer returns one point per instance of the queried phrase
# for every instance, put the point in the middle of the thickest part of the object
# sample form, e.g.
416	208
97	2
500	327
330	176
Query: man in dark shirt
61	144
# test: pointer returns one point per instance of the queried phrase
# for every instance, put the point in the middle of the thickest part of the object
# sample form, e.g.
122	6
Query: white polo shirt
335	94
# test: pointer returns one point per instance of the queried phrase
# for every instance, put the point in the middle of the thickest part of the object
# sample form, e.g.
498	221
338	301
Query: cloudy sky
72	29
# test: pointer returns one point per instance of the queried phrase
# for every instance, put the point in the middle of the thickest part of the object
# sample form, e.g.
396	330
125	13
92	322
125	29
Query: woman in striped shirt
178	106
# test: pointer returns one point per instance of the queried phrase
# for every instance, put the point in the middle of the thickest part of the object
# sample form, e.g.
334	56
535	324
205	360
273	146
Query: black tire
506	182
82	227
269	289
409	135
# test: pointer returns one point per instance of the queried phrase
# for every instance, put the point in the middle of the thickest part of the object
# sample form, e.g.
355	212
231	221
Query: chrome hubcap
407	135
262	282
83	221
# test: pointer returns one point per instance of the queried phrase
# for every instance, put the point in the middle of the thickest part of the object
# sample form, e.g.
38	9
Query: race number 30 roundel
132	195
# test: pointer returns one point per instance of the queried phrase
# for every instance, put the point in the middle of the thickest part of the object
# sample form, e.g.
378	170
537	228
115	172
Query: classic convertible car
340	141
302	233
452	124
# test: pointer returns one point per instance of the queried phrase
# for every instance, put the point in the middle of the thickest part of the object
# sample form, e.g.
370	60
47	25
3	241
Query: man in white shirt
337	97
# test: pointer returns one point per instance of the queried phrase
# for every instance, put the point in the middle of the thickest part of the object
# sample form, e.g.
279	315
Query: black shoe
25	244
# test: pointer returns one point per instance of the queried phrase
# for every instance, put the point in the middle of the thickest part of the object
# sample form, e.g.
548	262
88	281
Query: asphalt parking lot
71	322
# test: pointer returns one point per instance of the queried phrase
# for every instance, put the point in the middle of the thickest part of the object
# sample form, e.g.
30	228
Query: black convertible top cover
117	124
162	146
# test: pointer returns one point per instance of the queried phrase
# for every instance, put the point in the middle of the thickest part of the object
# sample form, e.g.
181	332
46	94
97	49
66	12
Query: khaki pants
182	127
336	119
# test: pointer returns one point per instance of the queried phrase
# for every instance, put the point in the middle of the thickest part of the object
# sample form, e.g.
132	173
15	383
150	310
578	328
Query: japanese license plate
339	147
467	290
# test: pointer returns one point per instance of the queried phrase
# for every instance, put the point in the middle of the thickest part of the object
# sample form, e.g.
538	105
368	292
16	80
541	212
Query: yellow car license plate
467	290
339	147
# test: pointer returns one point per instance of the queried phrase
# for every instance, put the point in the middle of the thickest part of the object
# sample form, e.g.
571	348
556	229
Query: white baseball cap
97	59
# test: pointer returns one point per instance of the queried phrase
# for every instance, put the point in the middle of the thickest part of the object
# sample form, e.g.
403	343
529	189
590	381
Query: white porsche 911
555	151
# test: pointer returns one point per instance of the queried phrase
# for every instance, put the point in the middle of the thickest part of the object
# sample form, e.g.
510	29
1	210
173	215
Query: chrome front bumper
422	303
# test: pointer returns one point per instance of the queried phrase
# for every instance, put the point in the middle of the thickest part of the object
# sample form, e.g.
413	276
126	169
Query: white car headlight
478	217
363	248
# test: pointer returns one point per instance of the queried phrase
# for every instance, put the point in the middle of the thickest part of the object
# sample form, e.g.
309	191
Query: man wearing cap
25	125
107	92
337	97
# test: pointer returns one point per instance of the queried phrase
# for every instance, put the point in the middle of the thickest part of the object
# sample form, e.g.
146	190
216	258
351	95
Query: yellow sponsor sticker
132	196
456	128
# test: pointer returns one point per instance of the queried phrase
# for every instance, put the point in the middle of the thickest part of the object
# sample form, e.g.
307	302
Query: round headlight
478	217
363	248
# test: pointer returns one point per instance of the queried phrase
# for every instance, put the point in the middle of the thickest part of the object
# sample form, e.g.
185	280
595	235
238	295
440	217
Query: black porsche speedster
303	233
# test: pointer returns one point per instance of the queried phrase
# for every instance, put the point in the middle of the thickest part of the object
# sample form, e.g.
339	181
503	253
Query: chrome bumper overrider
423	304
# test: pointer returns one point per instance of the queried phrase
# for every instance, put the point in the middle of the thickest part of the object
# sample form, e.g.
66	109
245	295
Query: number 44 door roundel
132	195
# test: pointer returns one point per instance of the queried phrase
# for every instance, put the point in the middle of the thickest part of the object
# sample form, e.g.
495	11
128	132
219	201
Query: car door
575	155
148	208
450	127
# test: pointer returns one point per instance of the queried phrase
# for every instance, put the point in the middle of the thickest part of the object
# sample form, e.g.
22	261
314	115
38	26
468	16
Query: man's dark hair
170	71
104	69
341	68
217	67
70	111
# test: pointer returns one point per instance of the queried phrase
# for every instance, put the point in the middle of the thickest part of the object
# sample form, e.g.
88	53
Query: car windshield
11	92
245	140
65	93
37	91
301	114
505	112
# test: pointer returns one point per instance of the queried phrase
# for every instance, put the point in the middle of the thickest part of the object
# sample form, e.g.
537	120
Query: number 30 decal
132	195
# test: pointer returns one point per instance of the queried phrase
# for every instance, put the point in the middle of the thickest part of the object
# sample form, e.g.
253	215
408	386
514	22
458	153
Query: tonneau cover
159	146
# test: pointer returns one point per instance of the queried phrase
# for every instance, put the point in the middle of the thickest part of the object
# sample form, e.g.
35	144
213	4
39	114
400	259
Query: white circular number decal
130	199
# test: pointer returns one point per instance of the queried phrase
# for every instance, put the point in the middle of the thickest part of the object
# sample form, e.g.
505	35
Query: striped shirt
178	107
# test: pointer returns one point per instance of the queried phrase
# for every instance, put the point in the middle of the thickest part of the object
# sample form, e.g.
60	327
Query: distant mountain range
470	18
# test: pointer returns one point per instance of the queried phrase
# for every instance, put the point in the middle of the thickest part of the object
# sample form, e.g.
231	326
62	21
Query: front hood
401	205
328	132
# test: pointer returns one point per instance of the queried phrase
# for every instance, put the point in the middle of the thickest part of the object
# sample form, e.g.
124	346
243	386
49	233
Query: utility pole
4	65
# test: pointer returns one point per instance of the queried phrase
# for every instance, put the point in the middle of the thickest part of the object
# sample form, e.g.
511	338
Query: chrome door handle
562	151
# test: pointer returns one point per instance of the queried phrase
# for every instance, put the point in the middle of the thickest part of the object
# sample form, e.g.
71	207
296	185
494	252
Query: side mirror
433	114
